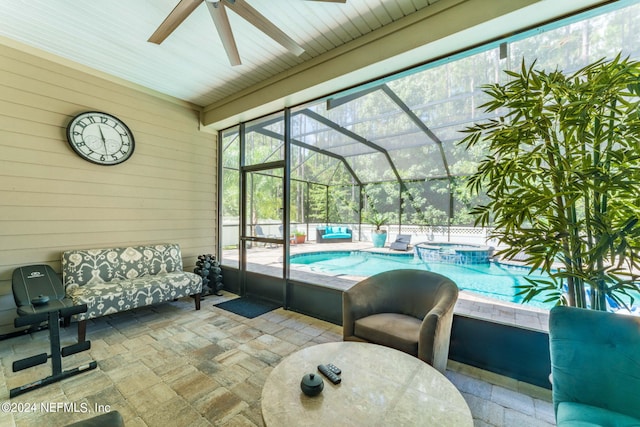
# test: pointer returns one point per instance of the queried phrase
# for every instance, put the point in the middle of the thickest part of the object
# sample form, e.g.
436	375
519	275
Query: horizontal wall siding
51	200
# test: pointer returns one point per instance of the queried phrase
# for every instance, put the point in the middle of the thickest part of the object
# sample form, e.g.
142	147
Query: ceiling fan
221	21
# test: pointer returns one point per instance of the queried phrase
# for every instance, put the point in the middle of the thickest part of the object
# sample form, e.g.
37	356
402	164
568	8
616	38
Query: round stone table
380	387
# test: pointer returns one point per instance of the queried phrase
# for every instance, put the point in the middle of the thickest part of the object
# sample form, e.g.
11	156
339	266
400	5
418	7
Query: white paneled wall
52	200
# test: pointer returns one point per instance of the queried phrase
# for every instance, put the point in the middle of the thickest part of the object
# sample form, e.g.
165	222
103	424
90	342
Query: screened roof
407	127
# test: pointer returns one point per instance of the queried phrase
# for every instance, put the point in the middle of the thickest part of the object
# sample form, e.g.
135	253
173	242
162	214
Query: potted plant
562	179
378	235
299	236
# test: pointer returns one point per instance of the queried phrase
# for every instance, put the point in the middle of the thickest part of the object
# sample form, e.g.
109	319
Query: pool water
492	280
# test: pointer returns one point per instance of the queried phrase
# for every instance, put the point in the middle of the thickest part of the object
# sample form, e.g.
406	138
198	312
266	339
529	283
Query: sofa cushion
394	330
93	266
120	295
572	414
336	236
328	230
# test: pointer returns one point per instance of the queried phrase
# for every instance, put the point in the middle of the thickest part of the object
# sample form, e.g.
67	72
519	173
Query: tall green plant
563	178
377	219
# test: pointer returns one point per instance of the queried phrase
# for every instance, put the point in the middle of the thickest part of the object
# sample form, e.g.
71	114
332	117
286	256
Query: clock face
100	138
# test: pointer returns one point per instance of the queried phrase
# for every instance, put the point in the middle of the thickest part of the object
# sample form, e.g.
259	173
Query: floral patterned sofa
117	279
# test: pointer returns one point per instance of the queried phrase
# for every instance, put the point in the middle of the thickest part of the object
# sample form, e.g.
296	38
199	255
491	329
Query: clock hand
104	143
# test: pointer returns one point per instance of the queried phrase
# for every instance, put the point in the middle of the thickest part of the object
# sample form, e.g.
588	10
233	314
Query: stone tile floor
169	365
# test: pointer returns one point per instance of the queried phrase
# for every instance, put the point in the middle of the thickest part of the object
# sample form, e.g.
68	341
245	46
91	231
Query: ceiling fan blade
175	18
263	24
221	21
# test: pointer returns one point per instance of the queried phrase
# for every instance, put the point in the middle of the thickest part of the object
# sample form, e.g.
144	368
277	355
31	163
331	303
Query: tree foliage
562	178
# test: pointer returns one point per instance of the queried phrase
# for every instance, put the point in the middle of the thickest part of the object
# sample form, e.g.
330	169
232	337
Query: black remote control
333	368
330	375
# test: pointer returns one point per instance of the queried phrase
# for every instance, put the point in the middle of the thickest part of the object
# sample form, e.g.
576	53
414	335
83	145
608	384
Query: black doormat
248	307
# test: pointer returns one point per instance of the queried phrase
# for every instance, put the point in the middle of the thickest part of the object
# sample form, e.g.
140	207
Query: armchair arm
348	316
435	330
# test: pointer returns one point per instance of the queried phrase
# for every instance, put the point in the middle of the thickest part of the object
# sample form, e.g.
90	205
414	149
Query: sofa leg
197	299
82	331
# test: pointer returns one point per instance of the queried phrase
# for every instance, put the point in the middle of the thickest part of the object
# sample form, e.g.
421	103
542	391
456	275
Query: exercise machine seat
31	283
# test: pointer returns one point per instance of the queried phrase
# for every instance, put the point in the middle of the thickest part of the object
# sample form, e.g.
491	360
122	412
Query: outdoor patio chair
260	233
409	310
594	367
401	243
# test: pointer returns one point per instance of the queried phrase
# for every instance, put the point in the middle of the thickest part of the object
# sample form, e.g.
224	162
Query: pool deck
268	260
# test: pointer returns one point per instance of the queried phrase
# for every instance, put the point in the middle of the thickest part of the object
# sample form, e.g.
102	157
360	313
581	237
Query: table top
380	386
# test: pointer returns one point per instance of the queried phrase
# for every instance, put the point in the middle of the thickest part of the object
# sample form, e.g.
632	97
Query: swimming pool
493	280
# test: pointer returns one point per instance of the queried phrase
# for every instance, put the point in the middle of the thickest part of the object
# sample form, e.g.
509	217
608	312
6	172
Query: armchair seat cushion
394	330
572	414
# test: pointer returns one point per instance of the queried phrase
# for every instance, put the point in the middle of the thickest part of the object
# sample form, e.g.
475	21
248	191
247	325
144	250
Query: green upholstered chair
595	367
108	419
409	310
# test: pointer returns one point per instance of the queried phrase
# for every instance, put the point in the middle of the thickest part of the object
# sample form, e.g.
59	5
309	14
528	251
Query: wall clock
100	138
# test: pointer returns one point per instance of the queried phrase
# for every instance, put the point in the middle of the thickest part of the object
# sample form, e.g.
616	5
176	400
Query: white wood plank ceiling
191	64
